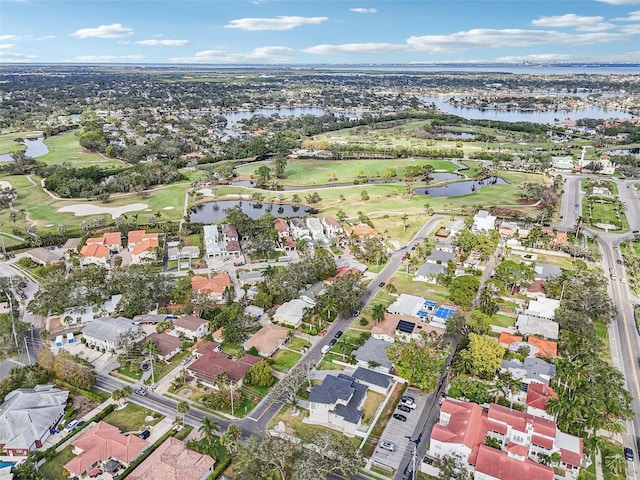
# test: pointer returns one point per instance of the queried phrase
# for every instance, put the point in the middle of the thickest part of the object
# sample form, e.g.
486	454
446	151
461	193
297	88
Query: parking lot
400	433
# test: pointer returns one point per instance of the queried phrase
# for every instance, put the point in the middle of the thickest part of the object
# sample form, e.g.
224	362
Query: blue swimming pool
7	464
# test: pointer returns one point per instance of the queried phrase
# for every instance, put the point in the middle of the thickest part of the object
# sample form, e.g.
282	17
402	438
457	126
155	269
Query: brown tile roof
145	245
465	424
507	339
112	238
173	461
267	338
214	285
281	225
361	230
102	442
166	343
212	363
538	395
189	322
546	348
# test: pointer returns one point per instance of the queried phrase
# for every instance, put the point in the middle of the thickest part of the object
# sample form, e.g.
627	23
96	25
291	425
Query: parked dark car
145	366
381	284
399	416
339	333
145	434
333	342
404	408
408	399
628	454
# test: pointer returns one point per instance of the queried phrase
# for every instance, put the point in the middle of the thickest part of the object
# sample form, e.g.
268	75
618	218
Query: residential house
27	417
396	327
188	251
538	318
538	395
563	163
172	460
190	326
531	370
332	226
231	240
86	313
268	340
435	264
463	427
373	354
72	244
250	277
508	229
101	443
544	348
299	229
282	227
104	333
483	222
361	230
337	403
95	254
111	240
212	241
311	294
317	232
136	237
291	312
210	364
440	257
168	345
213	287
43	256
543	271
376	381
144	251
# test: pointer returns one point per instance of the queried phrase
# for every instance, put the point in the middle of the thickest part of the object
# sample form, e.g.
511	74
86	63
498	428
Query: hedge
222	466
79	391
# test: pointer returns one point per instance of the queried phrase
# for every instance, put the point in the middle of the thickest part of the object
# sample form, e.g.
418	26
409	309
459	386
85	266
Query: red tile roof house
210	364
101	443
142	245
190	326
464	426
173	461
538	394
214	287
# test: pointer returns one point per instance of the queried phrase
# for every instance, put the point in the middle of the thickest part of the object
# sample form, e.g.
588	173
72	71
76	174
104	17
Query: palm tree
614	426
330	304
615	462
208	428
404	217
231	436
182	408
377	312
391	288
152	349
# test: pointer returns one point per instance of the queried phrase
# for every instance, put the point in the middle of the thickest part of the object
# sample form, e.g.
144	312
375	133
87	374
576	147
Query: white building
291	312
483	222
104	333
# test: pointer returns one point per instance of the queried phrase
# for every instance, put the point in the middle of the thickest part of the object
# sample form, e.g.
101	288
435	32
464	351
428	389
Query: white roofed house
317	232
105	333
212	241
291	312
190	326
332	226
188	251
299	229
483	222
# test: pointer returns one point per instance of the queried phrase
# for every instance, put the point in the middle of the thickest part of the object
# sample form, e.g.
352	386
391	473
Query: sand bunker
168	208
86	209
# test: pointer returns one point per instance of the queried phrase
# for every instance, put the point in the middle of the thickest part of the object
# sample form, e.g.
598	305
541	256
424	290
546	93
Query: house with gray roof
529	325
440	257
429	272
532	370
317	232
376	381
291	312
406	304
337	403
543	271
373	354
28	415
104	333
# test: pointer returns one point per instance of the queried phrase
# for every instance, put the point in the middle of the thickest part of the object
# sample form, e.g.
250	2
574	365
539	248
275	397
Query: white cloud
364	10
257	55
115	30
621	2
536	57
278	23
351	48
106	58
633	17
9	57
163	43
571	20
7	45
8	37
491	38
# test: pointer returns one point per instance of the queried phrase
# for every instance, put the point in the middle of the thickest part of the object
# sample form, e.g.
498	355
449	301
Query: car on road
577	205
628	454
339	333
619	262
387	445
636	231
145	366
333	341
357	312
144	434
381	284
325	349
140	391
403	408
623	280
400	417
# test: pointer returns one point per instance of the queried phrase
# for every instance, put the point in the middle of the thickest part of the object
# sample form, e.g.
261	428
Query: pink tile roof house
101	443
173	461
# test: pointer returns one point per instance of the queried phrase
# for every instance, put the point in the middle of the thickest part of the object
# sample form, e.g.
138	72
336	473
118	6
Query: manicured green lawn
160	369
327	362
284	360
66	148
132	418
53	468
135	374
370	407
502	320
604	212
296	343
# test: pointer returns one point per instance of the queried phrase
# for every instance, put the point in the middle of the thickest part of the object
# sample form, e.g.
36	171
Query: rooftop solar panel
405	327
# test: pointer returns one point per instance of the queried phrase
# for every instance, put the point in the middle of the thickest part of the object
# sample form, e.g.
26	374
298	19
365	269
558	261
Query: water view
457	189
35	148
548	117
213	212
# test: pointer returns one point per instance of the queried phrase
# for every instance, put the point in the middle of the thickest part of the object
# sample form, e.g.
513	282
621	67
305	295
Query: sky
319	31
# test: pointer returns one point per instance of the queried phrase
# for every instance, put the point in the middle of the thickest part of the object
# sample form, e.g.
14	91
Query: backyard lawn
296	343
53	468
371	405
132	418
160	369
